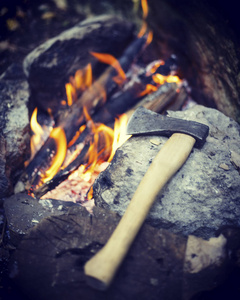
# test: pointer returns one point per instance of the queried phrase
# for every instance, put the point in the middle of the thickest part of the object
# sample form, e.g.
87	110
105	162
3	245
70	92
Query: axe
102	267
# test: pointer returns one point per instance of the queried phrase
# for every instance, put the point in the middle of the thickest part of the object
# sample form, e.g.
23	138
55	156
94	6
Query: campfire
72	172
67	154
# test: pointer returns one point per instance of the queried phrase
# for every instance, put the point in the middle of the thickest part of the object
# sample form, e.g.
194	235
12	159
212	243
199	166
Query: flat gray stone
203	196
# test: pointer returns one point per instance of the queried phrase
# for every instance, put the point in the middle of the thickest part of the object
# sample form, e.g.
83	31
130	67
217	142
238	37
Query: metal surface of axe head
147	122
102	267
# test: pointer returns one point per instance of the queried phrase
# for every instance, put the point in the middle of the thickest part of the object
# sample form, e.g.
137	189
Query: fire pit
79	84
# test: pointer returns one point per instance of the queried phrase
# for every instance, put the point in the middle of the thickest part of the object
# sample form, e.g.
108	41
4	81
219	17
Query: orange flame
111	60
144	8
40	133
97	130
104	144
37	130
149	89
79	83
161	79
149	38
71	93
154	67
143	29
120	136
59	136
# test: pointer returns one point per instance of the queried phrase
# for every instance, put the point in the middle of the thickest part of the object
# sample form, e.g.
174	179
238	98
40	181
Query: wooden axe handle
101	268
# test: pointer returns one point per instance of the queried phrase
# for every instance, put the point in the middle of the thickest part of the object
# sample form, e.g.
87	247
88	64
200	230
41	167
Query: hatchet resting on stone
102	267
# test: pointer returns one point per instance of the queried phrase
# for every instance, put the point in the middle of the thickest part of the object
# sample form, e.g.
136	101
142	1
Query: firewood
70	120
62	174
156	102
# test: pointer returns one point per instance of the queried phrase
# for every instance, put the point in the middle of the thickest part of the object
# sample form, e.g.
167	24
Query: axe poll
184	134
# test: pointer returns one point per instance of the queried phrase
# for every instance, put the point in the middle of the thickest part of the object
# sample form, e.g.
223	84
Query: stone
14	126
24	212
61	245
200	198
49	66
51	256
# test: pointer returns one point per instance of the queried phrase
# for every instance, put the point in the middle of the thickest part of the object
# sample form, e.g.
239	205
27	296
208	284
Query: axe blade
147	122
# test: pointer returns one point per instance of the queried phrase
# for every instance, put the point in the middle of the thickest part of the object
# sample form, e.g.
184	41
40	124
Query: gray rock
204	194
23	212
14	126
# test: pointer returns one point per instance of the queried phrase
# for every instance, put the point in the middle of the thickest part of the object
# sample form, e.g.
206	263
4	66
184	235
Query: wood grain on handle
101	268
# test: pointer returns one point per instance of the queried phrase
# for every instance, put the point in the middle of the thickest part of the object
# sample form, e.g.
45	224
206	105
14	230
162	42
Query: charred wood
62	174
70	120
157	102
50	65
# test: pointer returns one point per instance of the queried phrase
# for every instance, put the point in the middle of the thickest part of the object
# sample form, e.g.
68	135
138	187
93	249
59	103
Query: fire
148	90
39	134
71	93
37	131
143	29
59	137
111	60
119	134
161	79
104	143
78	83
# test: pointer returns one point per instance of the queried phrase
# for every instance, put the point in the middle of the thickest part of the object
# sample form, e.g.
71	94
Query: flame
152	68
143	29
120	135
59	136
148	90
37	130
78	83
157	78
40	133
111	60
74	139
70	92
161	79
149	38
103	145
144	8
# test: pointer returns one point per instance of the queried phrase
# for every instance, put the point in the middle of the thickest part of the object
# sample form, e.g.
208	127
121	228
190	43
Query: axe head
147	122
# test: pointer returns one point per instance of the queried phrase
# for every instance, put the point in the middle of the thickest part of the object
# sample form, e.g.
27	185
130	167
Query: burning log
70	120
168	96
157	102
50	65
63	174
